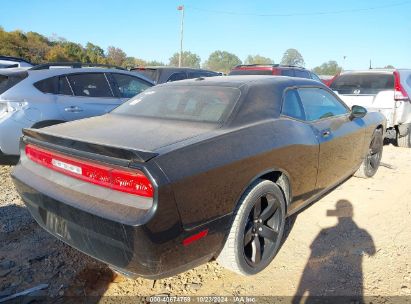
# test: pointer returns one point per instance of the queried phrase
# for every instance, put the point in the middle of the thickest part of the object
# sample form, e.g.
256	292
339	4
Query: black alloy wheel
262	230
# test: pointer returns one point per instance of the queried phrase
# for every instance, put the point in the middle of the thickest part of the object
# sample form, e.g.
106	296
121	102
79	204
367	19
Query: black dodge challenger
194	170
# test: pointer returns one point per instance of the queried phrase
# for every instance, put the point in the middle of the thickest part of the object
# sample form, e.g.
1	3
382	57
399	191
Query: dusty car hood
137	133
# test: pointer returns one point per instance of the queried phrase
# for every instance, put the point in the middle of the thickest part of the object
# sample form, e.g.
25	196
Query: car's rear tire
372	160
404	141
257	230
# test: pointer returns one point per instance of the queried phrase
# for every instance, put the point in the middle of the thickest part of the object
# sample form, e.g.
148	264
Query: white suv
383	90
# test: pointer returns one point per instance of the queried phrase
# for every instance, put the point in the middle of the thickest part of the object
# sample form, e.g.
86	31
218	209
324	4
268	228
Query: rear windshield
8	81
192	103
149	73
363	84
251	72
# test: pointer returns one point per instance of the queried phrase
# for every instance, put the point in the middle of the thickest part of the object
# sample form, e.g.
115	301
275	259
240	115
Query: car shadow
334	268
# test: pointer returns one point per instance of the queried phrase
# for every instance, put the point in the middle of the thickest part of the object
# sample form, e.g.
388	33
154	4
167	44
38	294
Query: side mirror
358	112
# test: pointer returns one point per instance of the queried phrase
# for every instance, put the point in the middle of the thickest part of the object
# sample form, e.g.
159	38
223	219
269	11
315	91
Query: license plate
57	225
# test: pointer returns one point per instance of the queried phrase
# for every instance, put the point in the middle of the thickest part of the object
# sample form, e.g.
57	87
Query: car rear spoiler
122	156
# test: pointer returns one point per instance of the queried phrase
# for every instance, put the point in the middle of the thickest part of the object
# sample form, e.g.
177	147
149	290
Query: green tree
56	53
222	61
94	53
115	56
389	67
257	59
188	59
292	57
328	68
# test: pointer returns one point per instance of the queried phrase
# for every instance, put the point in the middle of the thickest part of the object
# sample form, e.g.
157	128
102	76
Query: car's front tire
372	160
257	230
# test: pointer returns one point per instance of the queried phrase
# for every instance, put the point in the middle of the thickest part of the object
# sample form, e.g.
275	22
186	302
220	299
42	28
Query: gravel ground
366	250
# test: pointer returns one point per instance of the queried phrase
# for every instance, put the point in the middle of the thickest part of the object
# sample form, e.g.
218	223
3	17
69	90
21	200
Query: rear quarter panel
208	178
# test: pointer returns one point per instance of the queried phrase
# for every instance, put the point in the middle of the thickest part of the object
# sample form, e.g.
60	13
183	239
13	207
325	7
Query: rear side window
292	105
48	85
363	84
319	104
188	103
129	86
177	76
90	85
302	74
287	72
9	81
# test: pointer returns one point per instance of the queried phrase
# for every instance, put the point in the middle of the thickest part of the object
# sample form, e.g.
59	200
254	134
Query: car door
127	86
301	159
85	95
341	138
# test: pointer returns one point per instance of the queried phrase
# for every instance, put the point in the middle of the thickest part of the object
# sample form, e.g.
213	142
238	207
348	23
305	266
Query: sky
320	30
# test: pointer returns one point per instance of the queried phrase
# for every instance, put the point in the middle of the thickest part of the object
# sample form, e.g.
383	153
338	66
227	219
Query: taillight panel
399	91
132	182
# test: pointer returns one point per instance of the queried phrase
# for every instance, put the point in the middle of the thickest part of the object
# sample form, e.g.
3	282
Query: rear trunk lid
120	136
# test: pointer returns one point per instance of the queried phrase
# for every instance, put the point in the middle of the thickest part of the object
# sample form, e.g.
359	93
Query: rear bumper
148	245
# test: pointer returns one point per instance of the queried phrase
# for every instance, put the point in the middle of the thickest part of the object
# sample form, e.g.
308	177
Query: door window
90	85
64	87
292	105
319	104
129	86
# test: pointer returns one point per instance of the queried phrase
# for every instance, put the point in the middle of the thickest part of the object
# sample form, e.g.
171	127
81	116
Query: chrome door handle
73	109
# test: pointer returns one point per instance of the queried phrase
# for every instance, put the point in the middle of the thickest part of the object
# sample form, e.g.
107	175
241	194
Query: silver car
50	94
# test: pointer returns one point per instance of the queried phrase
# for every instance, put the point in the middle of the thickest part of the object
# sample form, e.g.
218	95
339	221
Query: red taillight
133	182
399	93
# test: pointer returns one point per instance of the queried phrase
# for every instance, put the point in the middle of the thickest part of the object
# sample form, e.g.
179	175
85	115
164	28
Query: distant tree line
39	49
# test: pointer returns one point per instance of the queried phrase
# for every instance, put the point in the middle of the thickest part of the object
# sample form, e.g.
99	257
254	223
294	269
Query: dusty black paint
199	171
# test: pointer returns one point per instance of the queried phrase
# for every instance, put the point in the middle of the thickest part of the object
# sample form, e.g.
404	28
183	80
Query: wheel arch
278	176
46	123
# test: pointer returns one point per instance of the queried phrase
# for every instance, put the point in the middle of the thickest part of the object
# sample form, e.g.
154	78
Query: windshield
363	84
193	103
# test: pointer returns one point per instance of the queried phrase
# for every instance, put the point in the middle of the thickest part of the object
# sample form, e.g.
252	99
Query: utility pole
343	67
181	8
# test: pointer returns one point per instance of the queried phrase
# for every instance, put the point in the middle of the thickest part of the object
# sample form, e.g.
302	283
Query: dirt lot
368	253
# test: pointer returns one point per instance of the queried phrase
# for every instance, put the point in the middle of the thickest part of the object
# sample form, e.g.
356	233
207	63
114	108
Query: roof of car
240	80
18	59
373	71
169	68
255	66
